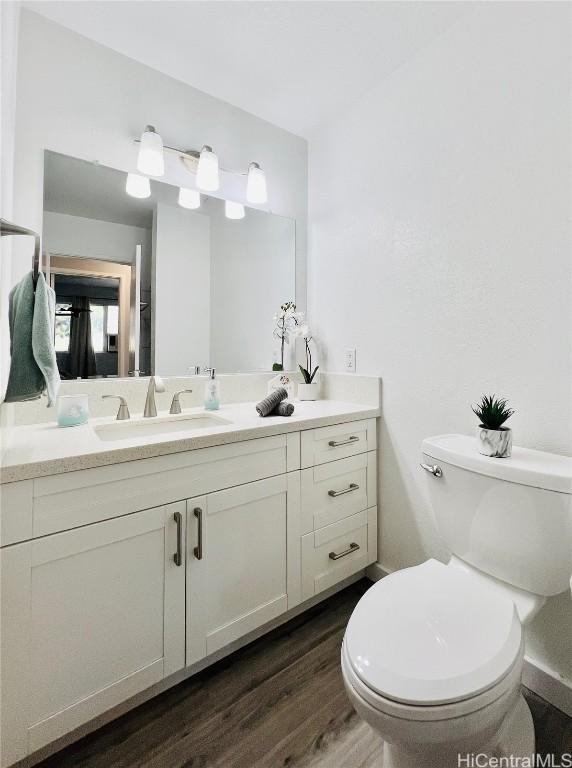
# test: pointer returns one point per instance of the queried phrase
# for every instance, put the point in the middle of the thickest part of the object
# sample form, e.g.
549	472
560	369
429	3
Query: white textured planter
494	442
309	391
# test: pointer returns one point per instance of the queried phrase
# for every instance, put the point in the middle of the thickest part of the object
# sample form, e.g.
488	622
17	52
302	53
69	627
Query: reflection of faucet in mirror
155	385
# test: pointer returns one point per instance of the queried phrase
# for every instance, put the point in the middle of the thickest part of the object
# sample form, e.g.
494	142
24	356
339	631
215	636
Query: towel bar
7	228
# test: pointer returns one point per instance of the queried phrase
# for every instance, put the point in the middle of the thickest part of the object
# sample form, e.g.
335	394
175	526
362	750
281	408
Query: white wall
440	242
9	24
94	239
252	275
81	99
181	290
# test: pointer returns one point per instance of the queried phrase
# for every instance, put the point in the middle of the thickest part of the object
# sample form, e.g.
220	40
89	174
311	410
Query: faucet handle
123	412
159	384
176	405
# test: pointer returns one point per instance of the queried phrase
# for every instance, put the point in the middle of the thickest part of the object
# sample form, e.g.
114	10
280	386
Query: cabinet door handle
198	550
353	547
178	556
336	443
349	489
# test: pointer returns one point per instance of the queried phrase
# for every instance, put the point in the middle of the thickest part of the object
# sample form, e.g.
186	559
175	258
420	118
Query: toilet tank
511	518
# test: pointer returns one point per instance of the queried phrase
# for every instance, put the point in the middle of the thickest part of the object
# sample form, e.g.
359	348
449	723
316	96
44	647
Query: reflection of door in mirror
92	316
90	222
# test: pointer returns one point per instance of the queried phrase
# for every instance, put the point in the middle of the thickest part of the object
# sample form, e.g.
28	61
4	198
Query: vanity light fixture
150	160
256	191
233	210
207	171
138	186
189	198
204	165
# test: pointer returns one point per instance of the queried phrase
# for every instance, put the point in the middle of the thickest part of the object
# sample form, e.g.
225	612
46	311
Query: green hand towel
33	366
43	334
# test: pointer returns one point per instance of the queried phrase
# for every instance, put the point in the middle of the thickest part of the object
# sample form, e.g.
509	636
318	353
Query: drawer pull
353	547
178	556
337	443
198	550
349	489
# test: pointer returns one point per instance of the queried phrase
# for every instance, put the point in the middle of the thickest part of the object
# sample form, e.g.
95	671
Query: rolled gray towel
266	406
283	409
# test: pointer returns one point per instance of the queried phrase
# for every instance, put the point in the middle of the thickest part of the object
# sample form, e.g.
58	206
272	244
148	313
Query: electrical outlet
350	360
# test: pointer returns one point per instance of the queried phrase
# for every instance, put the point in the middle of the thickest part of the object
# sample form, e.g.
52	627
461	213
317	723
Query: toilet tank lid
539	469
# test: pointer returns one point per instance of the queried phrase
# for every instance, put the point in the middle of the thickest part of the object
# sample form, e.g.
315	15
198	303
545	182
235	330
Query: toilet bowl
432	655
432	660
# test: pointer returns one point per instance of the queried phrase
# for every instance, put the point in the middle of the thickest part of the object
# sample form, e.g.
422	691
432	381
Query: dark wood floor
278	703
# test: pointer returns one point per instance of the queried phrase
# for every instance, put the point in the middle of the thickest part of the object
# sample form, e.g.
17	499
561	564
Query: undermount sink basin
124	430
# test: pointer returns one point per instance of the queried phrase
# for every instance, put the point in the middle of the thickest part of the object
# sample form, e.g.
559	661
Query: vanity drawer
324	444
338	489
337	551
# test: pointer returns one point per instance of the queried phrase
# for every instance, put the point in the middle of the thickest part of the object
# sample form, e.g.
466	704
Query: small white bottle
212	391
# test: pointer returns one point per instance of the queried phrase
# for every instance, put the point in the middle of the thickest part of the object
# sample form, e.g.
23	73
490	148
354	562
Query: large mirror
146	285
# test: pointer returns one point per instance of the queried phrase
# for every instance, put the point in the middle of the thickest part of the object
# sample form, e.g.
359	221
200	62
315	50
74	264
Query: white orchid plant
292	324
307	373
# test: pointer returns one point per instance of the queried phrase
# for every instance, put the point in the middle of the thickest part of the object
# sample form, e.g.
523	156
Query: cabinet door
90	617
236	563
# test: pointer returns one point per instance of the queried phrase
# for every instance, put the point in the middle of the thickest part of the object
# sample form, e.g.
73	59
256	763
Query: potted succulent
308	389
492	438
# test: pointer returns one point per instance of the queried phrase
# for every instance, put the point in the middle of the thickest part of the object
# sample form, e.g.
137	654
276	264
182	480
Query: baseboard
377	571
549	685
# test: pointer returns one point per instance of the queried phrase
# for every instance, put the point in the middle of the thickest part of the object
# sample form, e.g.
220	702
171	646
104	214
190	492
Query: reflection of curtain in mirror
81	355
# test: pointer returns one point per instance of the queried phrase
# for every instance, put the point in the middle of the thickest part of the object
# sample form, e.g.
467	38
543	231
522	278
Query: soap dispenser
212	391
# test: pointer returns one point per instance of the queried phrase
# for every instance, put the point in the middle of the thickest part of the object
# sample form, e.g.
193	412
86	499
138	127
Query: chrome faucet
123	412
155	385
176	404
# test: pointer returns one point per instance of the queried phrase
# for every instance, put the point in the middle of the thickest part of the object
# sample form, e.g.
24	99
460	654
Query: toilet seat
430	636
419	713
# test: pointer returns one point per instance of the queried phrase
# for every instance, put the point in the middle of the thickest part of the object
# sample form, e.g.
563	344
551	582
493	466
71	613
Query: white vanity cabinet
116	577
90	617
237	576
338	504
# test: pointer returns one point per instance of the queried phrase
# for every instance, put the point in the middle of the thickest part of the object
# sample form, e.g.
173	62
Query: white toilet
432	655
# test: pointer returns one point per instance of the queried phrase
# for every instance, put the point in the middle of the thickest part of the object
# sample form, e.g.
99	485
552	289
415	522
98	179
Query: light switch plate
350	360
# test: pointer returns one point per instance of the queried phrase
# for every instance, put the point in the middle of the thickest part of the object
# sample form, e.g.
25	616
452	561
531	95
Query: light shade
150	159
189	198
207	172
256	191
233	210
137	186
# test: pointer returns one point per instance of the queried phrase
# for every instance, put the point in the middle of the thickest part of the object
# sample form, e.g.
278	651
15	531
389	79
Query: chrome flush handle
435	469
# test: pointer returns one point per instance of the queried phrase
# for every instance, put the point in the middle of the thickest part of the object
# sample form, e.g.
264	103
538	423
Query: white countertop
38	450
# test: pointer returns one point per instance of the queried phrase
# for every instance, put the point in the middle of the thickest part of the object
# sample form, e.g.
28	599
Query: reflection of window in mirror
104	326
63	325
